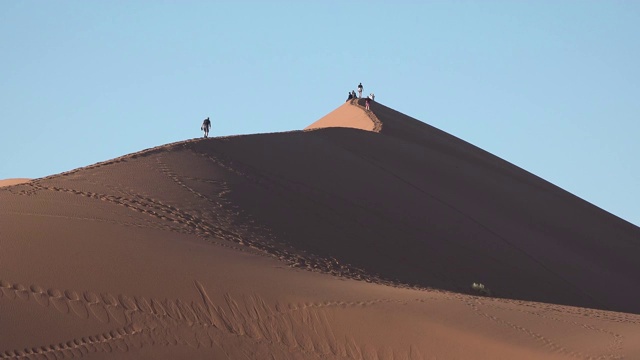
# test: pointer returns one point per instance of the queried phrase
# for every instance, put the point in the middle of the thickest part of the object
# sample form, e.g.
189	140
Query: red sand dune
9	182
358	238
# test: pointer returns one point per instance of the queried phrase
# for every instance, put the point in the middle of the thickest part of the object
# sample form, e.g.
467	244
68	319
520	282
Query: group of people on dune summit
370	98
206	124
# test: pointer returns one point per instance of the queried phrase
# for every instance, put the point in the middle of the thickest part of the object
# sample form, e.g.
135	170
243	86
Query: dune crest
335	243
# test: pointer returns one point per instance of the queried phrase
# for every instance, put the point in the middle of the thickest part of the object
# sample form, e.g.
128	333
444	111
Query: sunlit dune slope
346	116
9	182
354	239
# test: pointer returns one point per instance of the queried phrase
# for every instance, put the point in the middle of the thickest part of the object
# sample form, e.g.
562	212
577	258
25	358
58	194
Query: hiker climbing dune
206	125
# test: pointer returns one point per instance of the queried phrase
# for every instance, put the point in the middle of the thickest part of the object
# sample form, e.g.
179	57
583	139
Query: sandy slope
347	116
9	182
285	246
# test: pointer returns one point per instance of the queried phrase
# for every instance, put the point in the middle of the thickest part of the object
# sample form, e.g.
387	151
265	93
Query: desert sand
9	182
356	238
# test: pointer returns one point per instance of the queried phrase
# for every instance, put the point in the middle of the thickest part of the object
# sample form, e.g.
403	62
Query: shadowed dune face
433	216
200	249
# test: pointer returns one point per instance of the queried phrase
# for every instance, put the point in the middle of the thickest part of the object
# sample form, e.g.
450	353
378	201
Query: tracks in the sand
377	124
297	330
300	329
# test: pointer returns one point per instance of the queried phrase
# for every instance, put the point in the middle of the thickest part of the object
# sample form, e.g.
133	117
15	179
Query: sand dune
9	182
357	238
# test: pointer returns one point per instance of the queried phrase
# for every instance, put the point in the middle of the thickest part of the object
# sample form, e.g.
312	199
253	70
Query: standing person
360	88
367	103
206	125
372	96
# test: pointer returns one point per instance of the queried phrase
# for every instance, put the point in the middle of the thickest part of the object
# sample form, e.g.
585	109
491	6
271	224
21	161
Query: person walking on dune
367	102
360	88
206	125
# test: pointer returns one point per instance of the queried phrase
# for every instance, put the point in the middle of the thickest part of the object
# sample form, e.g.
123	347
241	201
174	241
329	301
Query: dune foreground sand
357	238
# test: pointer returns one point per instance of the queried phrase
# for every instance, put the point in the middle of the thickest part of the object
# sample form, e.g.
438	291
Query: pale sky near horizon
551	86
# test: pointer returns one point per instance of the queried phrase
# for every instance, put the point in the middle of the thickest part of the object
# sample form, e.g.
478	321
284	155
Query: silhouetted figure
206	125
372	97
350	96
353	92
360	88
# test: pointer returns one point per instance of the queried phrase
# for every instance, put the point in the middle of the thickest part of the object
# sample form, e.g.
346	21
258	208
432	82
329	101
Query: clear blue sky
551	86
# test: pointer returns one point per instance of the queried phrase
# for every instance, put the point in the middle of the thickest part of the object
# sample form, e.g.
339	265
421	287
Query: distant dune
9	182
357	238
